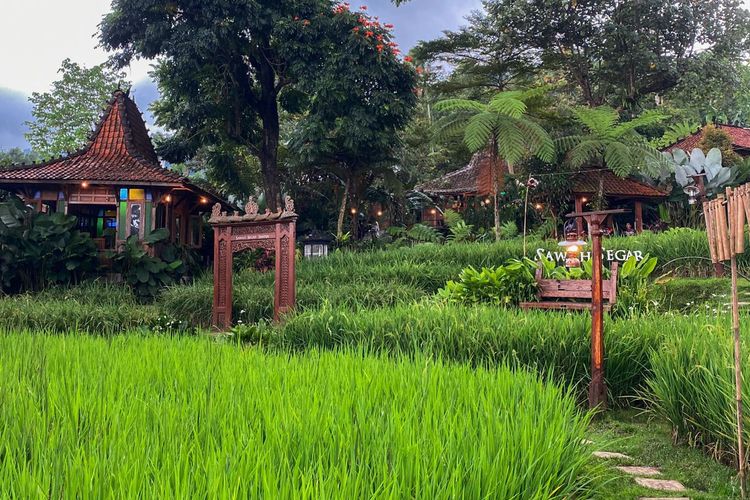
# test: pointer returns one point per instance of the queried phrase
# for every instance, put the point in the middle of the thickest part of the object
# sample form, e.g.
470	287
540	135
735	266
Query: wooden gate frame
234	233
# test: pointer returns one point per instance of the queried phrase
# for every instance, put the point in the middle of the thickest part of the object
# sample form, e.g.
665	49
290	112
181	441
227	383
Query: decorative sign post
725	226
233	233
598	388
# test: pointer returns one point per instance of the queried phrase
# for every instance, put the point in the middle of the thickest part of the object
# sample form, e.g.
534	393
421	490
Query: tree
607	142
226	68
614	52
65	116
363	97
504	126
14	156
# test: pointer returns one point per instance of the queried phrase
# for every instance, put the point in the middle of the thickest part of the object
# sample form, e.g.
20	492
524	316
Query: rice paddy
154	417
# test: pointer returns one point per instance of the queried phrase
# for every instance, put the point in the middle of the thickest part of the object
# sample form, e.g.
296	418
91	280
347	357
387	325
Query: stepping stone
640	471
609	454
660	484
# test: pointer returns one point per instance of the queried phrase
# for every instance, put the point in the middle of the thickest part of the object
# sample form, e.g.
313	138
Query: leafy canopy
65	116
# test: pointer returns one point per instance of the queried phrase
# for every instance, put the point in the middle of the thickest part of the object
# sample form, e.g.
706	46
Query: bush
353	426
147	274
505	285
38	250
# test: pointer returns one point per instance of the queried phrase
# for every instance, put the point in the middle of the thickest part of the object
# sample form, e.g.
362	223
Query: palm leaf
646	118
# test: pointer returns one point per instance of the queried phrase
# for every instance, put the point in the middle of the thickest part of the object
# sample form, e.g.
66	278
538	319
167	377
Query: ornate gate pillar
271	231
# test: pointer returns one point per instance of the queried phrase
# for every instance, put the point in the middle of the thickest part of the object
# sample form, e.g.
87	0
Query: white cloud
36	35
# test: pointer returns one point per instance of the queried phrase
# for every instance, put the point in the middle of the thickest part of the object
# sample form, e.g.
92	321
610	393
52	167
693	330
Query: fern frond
569	142
508	104
646	118
538	141
618	158
450	126
585	152
597	120
511	143
450	105
479	130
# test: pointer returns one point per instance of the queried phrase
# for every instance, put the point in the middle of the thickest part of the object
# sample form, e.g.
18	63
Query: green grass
648	442
149	417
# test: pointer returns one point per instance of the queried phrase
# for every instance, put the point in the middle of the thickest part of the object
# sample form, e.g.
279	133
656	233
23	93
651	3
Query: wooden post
598	388
638	217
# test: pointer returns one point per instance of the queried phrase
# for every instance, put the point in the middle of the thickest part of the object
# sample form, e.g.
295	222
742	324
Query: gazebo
616	190
115	185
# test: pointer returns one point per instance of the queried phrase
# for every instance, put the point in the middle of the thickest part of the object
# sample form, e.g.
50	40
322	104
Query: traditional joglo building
116	185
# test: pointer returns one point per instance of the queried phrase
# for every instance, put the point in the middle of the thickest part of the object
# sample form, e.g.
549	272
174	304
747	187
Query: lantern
572	247
692	192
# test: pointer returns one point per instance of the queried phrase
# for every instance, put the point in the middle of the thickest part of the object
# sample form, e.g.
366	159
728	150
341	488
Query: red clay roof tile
588	183
740	138
120	151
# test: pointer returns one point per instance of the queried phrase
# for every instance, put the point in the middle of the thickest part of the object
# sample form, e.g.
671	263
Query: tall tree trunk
342	209
268	155
495	185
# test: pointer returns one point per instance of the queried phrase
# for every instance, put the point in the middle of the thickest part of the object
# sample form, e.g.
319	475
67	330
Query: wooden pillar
638	217
222	306
579	220
598	388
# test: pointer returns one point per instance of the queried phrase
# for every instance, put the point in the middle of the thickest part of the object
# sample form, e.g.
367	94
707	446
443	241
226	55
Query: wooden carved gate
234	233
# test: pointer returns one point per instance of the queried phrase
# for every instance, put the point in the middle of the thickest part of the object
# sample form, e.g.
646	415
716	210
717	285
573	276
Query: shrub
146	274
354	426
503	285
37	250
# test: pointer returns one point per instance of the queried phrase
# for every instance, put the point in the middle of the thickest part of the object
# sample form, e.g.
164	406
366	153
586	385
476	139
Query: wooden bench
571	294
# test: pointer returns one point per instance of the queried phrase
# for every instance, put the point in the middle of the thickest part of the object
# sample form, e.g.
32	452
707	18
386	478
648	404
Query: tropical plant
146	274
608	142
504	126
504	285
508	230
716	175
458	230
37	250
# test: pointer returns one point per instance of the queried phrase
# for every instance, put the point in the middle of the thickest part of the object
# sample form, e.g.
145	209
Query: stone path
638	473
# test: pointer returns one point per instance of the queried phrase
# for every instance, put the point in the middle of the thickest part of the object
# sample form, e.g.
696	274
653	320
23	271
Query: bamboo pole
710	230
735	234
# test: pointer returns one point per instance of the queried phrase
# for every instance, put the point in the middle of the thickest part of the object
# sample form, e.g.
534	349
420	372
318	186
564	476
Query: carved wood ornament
234	233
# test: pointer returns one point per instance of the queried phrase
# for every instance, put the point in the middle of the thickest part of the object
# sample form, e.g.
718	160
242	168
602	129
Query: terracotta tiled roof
473	179
588	183
120	151
740	138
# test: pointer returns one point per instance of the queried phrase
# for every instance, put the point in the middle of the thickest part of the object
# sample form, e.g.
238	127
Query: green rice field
157	417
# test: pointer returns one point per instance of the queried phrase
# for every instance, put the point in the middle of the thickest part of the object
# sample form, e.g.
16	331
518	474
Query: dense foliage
38	250
65	116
